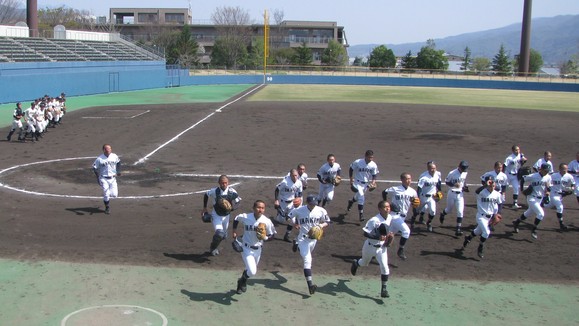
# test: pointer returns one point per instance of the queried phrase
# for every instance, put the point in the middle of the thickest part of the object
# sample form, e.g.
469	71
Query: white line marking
36	193
163	317
131	117
143	159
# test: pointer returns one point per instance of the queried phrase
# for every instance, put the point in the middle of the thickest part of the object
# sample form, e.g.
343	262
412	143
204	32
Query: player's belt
456	192
360	181
108	177
378	245
427	195
538	197
487	215
512	173
251	247
288	201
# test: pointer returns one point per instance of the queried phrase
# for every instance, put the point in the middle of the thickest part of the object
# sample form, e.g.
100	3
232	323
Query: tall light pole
32	17
525	54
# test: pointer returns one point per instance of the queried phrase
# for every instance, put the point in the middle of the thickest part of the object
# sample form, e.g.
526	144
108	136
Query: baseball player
16	122
487	200
219	215
107	167
328	172
545	159
376	231
563	184
401	200
455	180
500	180
285	193
30	118
304	218
540	183
574	171
303	177
362	174
251	244
513	163
429	183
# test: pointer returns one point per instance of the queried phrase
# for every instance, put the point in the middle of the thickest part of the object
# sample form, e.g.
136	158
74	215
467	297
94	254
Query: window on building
147	18
175	18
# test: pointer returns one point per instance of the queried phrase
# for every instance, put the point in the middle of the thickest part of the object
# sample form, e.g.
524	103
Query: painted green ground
44	293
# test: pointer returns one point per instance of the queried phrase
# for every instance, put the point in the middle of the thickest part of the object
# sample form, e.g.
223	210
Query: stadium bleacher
25	49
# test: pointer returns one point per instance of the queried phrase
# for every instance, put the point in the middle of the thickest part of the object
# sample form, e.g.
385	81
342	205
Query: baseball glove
18	117
206	217
336	181
371	187
223	207
496	219
297	202
566	193
438	196
260	232
389	239
415	201
236	245
316	232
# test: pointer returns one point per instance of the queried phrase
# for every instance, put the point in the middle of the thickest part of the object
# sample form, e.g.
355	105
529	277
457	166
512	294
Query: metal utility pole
32	17
525	54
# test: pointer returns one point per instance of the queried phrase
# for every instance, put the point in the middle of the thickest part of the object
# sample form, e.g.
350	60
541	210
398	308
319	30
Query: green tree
535	61
568	68
481	64
11	12
430	58
501	63
382	57
255	56
359	62
466	63
182	49
334	54
281	56
409	61
303	55
233	26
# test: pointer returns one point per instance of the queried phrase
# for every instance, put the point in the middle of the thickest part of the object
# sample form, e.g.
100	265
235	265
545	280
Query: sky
365	22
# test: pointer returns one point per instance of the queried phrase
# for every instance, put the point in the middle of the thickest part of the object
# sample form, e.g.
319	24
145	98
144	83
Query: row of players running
42	113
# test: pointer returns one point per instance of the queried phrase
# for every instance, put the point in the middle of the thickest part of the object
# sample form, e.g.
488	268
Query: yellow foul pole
265	43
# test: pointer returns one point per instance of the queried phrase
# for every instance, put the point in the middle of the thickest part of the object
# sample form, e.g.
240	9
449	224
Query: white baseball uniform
374	247
325	174
221	222
540	162
486	205
560	184
251	253
428	185
106	168
307	219
540	185
287	191
455	196
512	165
573	168
363	174
501	182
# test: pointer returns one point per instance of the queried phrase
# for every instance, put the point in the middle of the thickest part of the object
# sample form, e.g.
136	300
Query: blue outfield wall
27	81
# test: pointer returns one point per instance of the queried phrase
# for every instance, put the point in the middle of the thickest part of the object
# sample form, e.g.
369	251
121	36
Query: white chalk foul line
143	159
37	193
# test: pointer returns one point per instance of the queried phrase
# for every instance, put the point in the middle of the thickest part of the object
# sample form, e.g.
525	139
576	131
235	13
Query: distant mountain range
556	38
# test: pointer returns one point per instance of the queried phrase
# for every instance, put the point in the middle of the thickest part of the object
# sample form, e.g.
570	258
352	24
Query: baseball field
64	262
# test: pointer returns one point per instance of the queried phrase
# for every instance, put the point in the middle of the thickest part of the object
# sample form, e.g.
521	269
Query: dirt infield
56	212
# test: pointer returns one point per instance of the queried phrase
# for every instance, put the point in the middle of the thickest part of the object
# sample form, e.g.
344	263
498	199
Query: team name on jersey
539	183
489	200
429	183
309	220
364	170
248	227
401	197
287	189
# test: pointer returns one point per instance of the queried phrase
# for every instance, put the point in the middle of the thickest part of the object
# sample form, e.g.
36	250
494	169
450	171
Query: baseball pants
370	251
